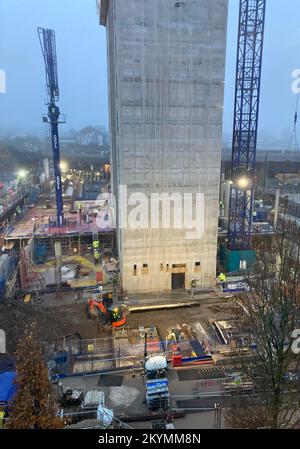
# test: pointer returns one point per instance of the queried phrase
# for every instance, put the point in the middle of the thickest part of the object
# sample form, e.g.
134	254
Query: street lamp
22	173
63	166
243	182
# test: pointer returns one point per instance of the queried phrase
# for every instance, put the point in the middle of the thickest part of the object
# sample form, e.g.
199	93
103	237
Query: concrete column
266	172
227	191
277	201
58	262
46	169
222	194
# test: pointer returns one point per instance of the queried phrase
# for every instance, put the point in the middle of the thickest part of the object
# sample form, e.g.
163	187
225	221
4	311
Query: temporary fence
124	350
74	355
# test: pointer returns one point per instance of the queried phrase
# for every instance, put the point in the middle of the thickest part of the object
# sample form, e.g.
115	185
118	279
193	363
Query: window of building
197	266
134	270
145	269
161	267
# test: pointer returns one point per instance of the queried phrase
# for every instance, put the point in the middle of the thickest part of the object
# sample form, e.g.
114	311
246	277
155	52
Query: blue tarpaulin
7	386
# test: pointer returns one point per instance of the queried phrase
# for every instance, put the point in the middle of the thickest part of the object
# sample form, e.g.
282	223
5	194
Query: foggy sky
81	48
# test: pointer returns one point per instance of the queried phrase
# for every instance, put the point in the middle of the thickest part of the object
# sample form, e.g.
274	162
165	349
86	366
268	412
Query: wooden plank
162	306
27	298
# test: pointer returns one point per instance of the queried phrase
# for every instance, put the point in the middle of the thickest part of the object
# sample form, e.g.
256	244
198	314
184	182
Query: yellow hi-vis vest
2	414
222	277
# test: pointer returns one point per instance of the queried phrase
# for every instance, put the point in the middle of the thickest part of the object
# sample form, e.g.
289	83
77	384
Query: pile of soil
52	322
15	316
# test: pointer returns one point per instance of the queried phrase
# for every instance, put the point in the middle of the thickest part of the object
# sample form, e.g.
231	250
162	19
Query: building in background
91	136
166	64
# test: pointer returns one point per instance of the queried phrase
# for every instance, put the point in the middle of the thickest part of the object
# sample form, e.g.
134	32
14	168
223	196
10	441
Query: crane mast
246	112
48	46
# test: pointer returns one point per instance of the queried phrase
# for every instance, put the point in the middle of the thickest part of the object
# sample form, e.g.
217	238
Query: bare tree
267	316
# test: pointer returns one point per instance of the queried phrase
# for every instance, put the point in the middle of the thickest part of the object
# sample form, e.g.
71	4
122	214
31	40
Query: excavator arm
95	307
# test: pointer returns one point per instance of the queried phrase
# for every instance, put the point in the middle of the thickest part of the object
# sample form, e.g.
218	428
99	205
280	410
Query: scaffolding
30	278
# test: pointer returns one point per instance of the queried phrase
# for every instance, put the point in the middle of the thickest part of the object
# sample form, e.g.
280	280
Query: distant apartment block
91	136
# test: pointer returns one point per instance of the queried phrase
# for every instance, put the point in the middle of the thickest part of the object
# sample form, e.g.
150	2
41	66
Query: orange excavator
102	308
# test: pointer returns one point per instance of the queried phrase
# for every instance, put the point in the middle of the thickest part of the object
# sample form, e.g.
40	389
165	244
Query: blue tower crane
48	46
246	112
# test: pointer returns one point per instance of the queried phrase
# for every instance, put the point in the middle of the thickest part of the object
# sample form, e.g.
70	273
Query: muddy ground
164	320
56	319
52	322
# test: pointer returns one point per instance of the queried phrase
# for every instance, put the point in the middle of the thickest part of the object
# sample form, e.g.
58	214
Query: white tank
69	191
156	362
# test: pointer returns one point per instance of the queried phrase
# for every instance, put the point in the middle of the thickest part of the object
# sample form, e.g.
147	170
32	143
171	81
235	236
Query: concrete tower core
166	64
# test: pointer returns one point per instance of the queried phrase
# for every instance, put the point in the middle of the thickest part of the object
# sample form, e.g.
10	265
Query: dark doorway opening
178	281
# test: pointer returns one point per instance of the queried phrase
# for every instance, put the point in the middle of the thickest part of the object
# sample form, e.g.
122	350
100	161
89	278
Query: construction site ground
59	314
196	420
128	399
197	314
53	322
